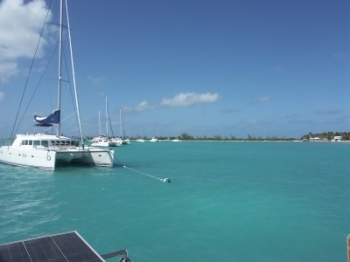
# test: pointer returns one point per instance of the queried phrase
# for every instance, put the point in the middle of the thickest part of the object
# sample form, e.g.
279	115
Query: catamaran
45	151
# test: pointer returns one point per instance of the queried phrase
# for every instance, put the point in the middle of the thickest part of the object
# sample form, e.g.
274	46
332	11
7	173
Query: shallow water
226	202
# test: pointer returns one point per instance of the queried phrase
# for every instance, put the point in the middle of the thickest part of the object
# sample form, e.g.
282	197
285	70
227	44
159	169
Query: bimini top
54	118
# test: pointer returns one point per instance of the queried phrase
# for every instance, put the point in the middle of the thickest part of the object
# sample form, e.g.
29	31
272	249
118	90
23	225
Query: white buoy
166	180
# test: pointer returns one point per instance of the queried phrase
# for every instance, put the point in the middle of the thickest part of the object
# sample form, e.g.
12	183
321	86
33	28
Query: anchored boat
45	151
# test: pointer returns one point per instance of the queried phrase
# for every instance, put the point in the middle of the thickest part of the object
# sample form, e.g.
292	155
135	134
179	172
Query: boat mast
73	72
58	130
99	124
107	118
121	124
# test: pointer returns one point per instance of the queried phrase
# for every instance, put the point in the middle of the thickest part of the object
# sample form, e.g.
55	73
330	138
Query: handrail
117	253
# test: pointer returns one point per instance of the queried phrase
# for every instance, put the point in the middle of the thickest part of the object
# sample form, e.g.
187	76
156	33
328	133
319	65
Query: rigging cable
30	70
36	89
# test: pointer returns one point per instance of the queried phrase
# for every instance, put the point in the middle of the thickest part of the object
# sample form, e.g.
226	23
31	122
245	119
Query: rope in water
164	180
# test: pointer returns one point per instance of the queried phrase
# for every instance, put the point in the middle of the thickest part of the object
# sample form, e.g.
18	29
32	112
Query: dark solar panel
55	248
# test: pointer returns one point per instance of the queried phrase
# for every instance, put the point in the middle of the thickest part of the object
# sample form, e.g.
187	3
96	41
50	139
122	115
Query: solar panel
54	248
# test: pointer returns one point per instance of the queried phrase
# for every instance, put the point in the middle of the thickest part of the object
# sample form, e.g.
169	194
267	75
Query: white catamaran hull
47	159
32	158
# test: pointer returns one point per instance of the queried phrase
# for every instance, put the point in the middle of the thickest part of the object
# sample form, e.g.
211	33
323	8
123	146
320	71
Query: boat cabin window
62	143
45	143
25	142
36	143
74	143
30	142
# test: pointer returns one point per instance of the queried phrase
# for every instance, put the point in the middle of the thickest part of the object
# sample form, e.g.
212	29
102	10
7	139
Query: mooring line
164	180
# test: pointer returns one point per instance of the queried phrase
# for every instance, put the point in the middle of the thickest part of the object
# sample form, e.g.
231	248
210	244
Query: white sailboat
104	140
45	151
141	140
101	139
125	140
113	141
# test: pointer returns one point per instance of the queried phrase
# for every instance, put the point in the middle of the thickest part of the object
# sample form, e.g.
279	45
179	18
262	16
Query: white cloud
20	28
143	106
7	69
264	99
180	100
188	99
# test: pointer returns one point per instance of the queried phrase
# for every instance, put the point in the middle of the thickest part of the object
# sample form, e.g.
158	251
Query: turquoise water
226	202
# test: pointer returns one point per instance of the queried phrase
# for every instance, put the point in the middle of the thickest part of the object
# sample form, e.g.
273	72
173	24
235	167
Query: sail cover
54	118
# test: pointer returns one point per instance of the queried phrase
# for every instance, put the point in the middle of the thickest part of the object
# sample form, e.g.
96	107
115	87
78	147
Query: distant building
314	139
337	138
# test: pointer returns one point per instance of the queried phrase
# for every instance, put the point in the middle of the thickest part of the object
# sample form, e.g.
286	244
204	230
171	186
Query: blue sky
263	68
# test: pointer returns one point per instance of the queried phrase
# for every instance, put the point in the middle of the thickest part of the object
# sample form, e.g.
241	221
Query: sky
261	68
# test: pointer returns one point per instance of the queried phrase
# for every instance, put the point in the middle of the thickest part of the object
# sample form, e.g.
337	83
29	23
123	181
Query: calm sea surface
226	202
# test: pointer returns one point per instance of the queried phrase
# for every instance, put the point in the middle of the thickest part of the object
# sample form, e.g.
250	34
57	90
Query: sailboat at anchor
103	140
45	151
125	139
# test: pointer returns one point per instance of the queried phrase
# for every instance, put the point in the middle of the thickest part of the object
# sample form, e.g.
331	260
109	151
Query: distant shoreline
250	141
233	141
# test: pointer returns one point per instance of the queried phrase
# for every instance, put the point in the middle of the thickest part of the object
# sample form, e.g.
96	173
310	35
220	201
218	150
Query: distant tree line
324	136
186	136
327	135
